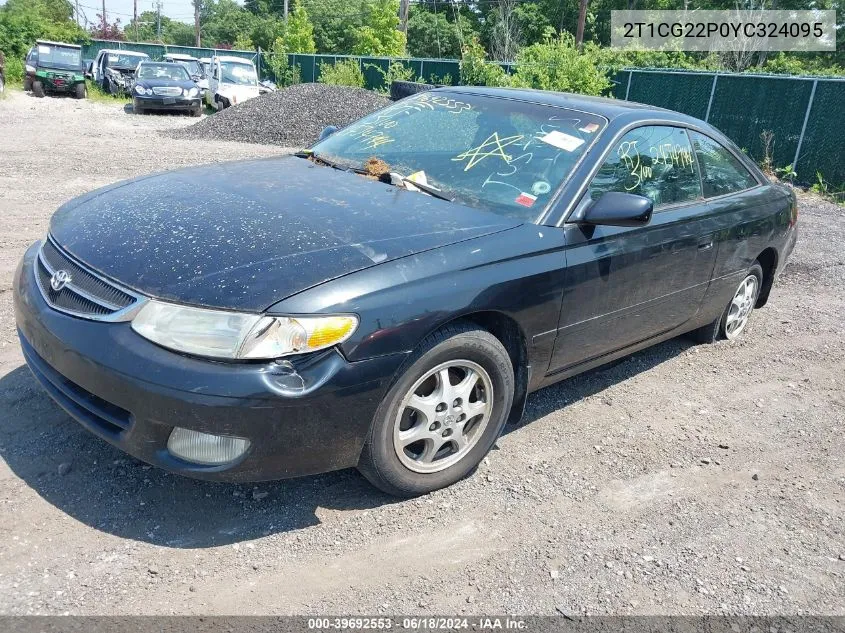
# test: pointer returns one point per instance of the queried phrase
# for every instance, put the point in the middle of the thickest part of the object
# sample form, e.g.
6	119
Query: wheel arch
509	333
768	260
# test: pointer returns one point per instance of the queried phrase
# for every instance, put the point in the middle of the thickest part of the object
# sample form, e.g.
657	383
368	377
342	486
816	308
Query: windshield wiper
399	179
325	161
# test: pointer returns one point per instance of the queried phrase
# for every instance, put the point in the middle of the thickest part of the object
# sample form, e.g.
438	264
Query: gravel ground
684	480
292	117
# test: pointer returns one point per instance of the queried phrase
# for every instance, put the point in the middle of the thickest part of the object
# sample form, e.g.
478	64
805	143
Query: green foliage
796	64
558	65
24	21
432	35
283	72
396	71
243	42
378	35
96	93
299	32
14	71
172	32
786	173
445	80
477	71
346	72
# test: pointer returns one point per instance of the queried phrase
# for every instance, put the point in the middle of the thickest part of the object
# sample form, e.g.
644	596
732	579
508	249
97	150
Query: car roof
603	106
51	43
121	51
152	62
181	57
233	58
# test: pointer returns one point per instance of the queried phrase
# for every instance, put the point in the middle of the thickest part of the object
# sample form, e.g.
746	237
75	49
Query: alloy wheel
741	306
443	416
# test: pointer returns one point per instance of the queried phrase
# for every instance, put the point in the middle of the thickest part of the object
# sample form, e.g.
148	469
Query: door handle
703	246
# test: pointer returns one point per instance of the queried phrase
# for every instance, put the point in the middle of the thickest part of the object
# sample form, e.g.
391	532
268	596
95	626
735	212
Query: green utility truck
55	67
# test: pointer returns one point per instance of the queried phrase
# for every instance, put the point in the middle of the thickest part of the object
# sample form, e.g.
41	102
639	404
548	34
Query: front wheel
27	84
2	84
38	89
442	415
196	112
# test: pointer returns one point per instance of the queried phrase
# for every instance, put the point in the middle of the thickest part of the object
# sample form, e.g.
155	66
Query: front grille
167	91
84	294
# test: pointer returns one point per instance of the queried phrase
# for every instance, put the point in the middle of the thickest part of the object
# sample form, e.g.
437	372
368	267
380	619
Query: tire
136	108
478	409
27	84
726	326
196	112
402	89
38	89
80	91
2	84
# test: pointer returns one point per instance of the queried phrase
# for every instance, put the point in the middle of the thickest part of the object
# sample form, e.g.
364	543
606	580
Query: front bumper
302	420
167	103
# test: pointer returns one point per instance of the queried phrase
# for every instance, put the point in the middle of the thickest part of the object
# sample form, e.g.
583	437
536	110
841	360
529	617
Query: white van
233	80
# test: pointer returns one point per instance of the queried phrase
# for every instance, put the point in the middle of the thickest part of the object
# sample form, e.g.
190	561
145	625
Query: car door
628	284
213	82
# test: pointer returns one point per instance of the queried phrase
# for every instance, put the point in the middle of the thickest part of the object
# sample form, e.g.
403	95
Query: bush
396	71
343	73
557	64
477	71
14	70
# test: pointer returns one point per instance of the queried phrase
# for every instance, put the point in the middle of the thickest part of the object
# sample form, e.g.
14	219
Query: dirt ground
685	480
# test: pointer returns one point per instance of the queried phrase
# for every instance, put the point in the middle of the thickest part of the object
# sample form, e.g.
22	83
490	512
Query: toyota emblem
59	280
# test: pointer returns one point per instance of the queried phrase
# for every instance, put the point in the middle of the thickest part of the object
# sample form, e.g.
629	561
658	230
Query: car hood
236	93
160	82
245	235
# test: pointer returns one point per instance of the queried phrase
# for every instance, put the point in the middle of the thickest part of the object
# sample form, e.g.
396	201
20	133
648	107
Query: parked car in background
206	65
194	67
165	86
113	70
233	80
2	72
55	68
302	315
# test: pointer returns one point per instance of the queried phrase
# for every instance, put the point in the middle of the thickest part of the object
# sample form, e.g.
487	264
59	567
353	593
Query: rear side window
654	161
721	172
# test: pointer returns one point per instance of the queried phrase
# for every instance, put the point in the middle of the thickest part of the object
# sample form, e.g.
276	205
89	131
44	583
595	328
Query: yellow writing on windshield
492	146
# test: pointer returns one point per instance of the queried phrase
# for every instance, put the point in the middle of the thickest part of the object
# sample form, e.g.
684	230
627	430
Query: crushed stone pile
290	117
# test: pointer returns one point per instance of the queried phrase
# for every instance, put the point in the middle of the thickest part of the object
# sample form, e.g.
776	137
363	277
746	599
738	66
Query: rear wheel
442	415
733	320
80	91
38	89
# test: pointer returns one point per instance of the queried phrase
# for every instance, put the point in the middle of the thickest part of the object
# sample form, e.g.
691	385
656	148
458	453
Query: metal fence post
804	125
628	89
710	101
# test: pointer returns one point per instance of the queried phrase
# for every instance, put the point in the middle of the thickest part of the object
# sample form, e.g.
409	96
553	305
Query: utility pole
158	20
404	5
77	14
286	10
197	21
135	18
103	34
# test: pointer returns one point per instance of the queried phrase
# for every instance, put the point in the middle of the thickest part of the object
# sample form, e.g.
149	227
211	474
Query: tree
379	35
336	23
24	21
103	30
299	32
432	35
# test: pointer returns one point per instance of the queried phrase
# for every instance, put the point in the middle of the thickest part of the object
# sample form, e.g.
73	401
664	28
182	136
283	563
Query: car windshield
59	56
123	60
503	155
239	73
193	67
174	72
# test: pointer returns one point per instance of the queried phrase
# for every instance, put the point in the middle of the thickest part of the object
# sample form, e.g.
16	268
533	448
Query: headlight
140	90
30	68
149	91
193	92
234	335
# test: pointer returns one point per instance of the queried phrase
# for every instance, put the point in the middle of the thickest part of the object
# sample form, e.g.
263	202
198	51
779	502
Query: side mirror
615	208
327	132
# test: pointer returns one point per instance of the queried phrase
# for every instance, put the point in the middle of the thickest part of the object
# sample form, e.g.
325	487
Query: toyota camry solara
387	299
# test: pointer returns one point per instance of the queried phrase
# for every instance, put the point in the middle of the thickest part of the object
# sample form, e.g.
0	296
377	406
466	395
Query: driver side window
653	161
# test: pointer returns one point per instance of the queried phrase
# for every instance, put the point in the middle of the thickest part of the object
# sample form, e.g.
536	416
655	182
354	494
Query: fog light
204	448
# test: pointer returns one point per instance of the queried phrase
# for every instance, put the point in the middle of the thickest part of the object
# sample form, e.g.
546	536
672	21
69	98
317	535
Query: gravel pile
291	117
